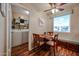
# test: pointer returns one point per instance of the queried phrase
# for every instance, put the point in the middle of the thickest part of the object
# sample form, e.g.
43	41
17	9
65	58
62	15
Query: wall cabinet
19	38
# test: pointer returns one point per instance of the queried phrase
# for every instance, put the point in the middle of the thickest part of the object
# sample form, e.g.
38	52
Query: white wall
34	23
18	14
49	24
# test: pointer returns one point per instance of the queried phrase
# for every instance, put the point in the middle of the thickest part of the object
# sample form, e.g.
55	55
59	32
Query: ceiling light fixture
54	10
27	12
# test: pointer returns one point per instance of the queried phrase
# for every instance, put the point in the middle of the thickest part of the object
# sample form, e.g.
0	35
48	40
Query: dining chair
35	40
41	40
55	44
52	44
45	33
50	33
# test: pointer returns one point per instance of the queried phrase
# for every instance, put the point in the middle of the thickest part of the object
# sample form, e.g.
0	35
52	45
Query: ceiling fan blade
50	4
48	10
60	9
62	4
52	7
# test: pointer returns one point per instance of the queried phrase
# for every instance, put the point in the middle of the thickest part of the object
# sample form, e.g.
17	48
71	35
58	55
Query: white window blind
62	23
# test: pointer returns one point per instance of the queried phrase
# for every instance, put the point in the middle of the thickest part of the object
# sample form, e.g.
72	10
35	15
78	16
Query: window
62	23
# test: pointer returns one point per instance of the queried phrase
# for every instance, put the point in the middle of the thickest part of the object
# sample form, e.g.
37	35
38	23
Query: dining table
45	38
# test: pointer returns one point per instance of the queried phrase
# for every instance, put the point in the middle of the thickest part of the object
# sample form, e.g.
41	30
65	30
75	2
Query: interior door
2	34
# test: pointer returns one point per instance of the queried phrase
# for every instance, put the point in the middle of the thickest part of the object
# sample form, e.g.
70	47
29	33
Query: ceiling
37	6
44	6
40	7
19	9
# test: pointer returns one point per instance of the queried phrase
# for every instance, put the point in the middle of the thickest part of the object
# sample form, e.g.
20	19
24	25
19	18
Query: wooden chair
52	45
55	41
35	40
50	33
41	40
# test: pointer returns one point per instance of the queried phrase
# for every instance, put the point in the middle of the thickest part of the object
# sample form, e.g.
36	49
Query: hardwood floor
22	50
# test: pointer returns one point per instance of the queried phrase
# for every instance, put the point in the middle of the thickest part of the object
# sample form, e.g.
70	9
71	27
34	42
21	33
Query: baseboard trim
3	54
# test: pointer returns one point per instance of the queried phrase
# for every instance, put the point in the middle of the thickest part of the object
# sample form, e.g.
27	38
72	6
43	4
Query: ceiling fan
56	6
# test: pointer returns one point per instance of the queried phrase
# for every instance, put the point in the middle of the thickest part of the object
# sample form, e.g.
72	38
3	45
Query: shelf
20	30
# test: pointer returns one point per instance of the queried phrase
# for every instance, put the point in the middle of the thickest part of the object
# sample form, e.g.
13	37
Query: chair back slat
56	37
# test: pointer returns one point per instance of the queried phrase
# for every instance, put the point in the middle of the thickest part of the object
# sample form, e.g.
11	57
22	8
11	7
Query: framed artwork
41	22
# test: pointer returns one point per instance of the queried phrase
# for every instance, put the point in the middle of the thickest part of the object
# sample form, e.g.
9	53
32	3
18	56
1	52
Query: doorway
20	30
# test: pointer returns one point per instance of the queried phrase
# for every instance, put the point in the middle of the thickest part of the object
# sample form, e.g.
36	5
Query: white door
2	35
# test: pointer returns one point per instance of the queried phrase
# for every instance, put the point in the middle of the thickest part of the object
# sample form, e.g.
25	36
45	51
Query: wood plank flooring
22	50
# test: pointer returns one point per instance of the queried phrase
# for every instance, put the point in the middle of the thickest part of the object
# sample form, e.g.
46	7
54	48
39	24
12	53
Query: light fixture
27	12
54	10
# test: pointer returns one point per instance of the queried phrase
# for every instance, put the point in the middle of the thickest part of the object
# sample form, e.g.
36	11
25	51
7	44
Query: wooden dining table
45	38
